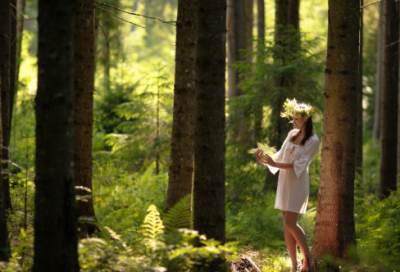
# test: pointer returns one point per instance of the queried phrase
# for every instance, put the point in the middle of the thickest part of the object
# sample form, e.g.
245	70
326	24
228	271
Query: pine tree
83	110
182	139
7	84
388	167
335	208
4	89
209	177
55	223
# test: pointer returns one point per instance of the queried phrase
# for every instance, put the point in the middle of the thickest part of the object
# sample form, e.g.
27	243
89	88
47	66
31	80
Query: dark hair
309	131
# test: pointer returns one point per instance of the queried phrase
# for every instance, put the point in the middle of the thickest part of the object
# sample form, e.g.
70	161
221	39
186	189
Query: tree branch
118	17
140	15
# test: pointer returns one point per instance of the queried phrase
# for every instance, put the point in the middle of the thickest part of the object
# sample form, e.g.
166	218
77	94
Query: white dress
294	185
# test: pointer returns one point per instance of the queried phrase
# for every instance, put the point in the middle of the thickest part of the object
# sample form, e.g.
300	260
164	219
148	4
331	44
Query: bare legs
294	234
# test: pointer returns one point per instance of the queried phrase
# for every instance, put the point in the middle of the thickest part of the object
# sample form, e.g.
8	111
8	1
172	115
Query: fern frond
265	149
179	215
115	236
153	229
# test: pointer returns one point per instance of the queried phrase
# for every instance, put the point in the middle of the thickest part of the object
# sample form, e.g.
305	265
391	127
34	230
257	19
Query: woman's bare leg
290	243
291	226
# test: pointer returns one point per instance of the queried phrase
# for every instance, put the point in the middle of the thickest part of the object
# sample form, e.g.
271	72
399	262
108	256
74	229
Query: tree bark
359	137
379	72
286	17
334	231
6	84
236	25
388	167
55	224
83	111
249	25
182	138
4	88
209	184
258	111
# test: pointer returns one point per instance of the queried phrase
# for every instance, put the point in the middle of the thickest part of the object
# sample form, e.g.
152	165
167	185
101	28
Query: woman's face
300	122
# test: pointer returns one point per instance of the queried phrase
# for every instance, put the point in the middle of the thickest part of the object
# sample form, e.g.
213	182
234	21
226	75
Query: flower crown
301	110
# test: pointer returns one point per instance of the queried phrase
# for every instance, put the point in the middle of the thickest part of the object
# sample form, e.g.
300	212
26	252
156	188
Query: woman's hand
259	157
268	160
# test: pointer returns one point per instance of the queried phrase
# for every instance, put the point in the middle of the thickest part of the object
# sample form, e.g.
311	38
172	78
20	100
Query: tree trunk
13	57
286	17
182	138
249	25
379	72
334	231
4	88
231	56
55	225
258	111
6	83
83	110
388	167
359	137
209	184
236	42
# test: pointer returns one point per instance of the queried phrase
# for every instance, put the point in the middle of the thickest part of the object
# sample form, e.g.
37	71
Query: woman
293	159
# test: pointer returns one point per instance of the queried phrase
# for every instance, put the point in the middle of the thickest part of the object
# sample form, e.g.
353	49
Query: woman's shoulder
313	139
293	132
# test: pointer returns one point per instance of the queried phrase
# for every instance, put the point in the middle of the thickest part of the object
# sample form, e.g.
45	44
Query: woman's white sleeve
278	156
301	164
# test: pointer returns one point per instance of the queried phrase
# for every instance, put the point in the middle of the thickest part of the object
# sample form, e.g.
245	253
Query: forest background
133	104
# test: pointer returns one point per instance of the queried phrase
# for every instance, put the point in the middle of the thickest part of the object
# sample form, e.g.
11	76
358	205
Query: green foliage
179	215
380	230
264	148
152	229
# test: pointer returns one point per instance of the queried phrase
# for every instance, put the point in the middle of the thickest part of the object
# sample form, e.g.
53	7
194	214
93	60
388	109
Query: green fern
153	229
265	149
179	215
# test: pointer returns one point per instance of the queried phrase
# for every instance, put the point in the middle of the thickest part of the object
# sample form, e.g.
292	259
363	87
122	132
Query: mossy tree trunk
388	167
83	111
334	231
209	177
55	224
182	139
4	89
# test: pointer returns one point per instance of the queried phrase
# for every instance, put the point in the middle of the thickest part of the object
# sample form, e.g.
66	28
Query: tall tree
286	26
388	167
286	38
249	24
83	110
379	72
258	111
335	208
55	224
5	98
209	176
182	138
236	35
359	137
7	107
4	89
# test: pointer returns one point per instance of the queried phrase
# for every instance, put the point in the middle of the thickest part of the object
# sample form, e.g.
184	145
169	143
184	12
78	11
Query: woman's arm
281	165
